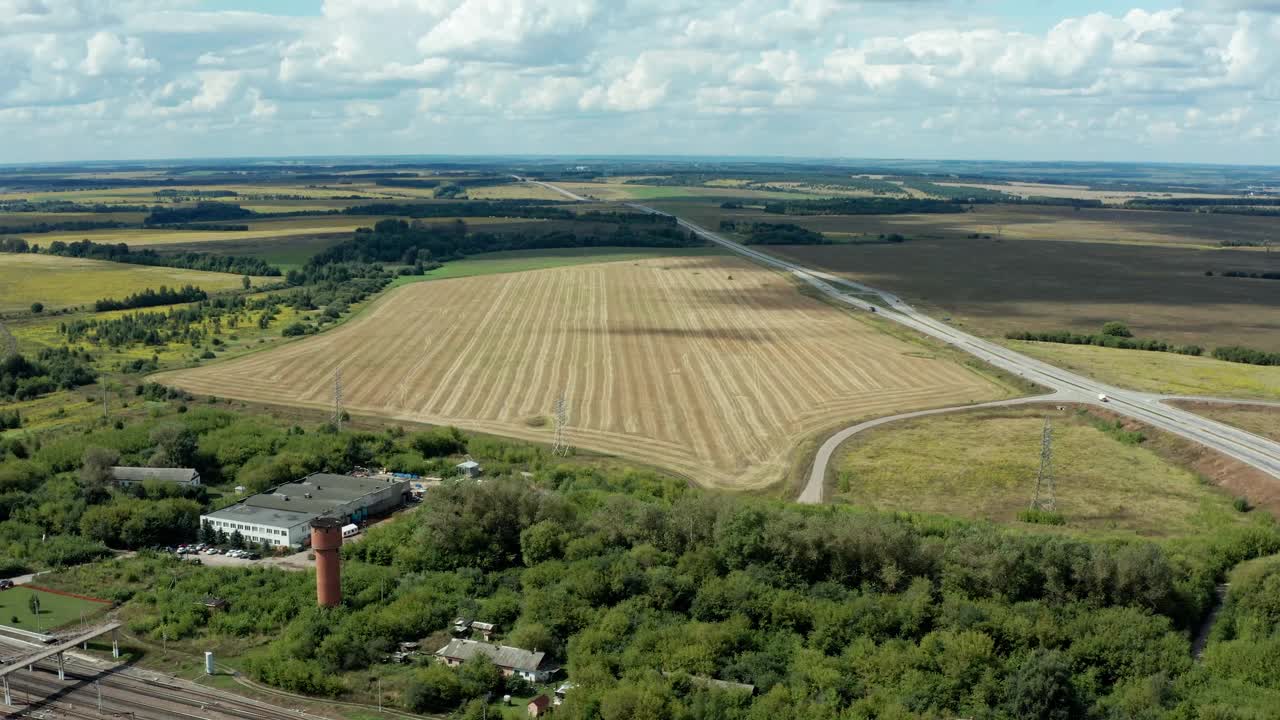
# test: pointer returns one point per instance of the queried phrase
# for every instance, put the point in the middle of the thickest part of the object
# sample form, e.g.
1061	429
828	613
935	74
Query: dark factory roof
317	493
270	517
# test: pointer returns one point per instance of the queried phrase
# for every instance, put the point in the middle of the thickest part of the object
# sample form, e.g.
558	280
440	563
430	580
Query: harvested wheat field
708	366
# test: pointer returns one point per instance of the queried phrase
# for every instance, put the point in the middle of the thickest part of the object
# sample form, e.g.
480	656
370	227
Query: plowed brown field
708	366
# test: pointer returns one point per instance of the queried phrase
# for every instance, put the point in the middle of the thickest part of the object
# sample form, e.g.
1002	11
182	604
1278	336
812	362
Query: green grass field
1166	373
522	260
59	282
286	253
55	610
1261	420
983	465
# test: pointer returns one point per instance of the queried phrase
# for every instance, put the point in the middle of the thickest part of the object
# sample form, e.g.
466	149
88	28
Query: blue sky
1195	81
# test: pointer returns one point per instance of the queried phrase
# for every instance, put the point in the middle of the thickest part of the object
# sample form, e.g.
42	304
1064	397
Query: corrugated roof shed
142	474
504	656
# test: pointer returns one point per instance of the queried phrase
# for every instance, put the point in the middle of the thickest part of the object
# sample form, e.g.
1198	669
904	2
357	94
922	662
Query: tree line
535	209
863	206
1117	335
63	226
120	252
1251	356
1103	339
22	205
1234	205
152	298
1252	275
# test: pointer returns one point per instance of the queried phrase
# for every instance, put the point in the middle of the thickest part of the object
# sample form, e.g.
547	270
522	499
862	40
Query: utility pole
561	445
1045	497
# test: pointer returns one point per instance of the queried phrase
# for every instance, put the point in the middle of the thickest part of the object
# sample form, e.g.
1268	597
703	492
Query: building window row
246	528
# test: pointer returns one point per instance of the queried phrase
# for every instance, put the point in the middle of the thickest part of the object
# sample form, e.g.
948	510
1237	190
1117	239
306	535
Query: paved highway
1066	386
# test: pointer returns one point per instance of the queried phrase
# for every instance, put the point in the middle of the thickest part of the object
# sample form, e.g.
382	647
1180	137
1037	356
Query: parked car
6	584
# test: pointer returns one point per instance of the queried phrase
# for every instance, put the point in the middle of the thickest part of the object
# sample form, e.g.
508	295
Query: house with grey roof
126	476
531	666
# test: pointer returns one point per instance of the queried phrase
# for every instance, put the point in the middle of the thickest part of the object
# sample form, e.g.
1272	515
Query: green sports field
55	610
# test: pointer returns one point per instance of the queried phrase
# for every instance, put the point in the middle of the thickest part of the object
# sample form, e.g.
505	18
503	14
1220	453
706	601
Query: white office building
283	515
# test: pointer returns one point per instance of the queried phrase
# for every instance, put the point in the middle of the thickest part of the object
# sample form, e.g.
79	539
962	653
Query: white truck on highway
1103	397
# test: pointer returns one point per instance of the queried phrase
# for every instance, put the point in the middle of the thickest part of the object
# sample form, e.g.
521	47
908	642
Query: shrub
1116	329
1241	504
37	307
1042	517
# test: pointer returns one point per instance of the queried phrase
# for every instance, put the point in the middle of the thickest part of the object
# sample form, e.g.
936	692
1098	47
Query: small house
461	625
469	468
486	630
512	661
214	604
539	705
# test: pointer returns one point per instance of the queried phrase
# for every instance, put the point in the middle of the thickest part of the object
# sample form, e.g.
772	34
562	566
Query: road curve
814	488
1148	408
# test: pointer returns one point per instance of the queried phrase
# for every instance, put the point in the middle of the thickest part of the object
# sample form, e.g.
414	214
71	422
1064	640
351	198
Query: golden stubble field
707	366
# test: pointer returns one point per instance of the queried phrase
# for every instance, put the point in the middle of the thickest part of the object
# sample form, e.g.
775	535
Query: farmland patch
709	366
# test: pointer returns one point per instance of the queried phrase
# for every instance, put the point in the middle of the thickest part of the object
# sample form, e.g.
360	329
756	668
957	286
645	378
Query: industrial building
282	517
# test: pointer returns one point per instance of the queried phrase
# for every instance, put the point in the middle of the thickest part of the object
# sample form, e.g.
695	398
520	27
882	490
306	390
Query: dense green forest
643	587
201	212
400	241
759	233
22	378
55	484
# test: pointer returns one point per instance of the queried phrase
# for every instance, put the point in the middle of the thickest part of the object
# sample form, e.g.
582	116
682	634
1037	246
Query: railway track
123	692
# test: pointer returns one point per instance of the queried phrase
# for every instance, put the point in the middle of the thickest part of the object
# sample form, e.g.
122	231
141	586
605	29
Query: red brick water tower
326	541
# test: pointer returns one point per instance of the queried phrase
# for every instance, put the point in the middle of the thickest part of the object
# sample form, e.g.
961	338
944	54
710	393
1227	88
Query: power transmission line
561	445
1045	497
337	400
